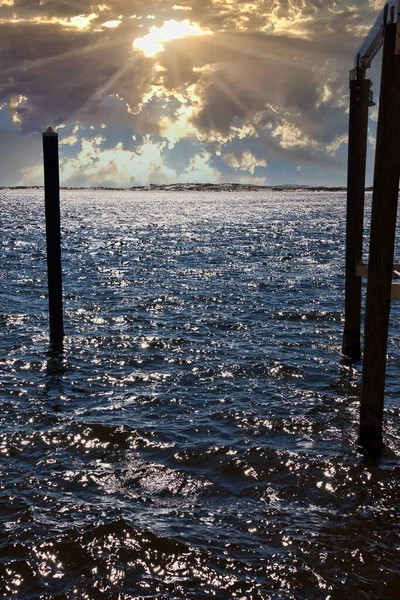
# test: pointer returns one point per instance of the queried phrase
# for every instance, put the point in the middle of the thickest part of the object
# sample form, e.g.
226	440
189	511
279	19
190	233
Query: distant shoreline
198	187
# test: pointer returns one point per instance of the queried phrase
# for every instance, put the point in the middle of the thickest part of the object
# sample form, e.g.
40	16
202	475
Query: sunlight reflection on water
196	437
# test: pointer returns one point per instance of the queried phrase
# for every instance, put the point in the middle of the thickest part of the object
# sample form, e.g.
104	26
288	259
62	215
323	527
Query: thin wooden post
358	132
383	228
53	234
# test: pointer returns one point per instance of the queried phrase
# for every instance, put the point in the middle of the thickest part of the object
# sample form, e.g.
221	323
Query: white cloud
334	146
244	161
200	170
292	136
71	140
116	167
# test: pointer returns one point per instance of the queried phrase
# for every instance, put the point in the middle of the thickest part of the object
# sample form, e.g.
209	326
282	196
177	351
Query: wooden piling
357	148
383	227
53	234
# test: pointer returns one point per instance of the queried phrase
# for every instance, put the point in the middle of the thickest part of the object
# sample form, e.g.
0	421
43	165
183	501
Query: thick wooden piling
358	132
53	234
383	227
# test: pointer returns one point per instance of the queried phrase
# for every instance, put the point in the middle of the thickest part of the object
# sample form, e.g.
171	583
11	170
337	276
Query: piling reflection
56	366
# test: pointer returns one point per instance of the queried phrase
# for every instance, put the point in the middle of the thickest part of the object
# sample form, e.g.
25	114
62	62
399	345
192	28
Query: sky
166	91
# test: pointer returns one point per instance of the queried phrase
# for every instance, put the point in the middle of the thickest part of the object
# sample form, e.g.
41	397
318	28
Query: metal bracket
353	74
358	73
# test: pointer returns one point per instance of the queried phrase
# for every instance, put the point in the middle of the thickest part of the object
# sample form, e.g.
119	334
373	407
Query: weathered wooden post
53	234
358	133
383	227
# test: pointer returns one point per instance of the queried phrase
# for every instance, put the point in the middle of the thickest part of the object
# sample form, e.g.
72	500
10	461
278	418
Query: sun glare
152	43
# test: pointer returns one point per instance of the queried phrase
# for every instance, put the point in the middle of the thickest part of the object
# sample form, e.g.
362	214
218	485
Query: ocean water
196	438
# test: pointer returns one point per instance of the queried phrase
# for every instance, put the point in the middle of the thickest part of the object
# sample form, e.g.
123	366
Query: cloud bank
168	90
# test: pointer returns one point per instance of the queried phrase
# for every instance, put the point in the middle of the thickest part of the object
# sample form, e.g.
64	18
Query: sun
152	43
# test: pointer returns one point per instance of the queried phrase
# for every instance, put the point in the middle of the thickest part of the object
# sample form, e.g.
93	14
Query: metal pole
358	133
53	234
383	229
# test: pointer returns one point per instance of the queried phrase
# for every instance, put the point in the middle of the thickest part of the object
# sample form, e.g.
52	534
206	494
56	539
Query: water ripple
196	437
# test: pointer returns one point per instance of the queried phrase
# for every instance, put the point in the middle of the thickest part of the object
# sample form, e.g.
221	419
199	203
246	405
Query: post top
374	40
50	131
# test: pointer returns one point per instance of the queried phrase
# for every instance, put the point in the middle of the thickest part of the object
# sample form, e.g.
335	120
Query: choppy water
197	437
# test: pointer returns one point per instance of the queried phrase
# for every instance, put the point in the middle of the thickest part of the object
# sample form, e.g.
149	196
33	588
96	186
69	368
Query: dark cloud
245	74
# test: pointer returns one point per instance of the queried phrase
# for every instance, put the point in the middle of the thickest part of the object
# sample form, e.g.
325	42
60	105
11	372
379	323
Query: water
197	436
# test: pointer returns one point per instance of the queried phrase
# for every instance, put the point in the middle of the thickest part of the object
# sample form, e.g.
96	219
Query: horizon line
184	186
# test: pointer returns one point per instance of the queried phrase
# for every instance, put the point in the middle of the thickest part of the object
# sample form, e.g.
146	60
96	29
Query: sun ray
225	89
228	92
48	60
246	48
101	91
